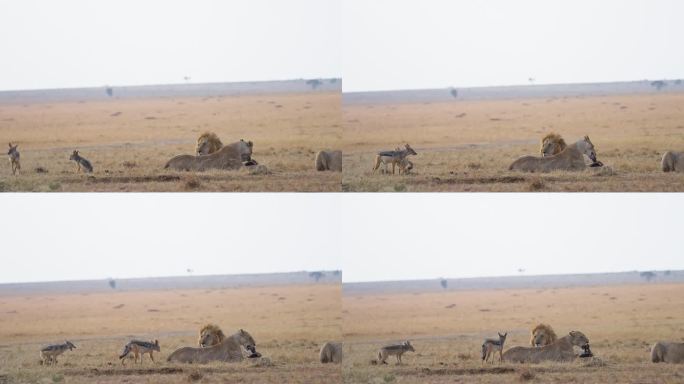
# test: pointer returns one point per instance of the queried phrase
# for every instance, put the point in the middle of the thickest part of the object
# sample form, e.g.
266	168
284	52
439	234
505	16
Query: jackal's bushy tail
126	351
484	351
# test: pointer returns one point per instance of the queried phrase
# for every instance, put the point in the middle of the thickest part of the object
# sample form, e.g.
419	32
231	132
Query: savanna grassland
447	330
129	141
288	322
468	145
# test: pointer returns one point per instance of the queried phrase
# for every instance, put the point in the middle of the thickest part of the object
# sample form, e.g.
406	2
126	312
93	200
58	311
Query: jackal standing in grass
491	346
48	355
394	157
139	348
396	349
13	154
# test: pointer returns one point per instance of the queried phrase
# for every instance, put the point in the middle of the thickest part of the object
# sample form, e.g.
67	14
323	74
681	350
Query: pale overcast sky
95	236
410	44
370	237
75	43
426	236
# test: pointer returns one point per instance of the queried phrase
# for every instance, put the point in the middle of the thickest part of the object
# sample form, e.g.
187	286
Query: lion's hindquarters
670	162
331	353
658	353
329	161
667	352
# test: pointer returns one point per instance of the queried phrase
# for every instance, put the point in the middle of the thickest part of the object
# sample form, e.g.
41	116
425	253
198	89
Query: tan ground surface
447	330
129	142
289	324
468	145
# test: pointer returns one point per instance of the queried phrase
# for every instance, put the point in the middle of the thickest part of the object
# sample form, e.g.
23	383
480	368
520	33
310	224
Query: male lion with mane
229	350
560	351
210	335
552	144
231	156
569	159
208	143
542	334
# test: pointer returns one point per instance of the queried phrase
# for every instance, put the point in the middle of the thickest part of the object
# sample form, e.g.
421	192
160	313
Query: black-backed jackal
396	350
139	348
392	157
81	162
491	346
48	355
13	154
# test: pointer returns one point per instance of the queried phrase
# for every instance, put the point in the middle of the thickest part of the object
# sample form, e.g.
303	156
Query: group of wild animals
556	155
213	345
210	153
14	158
544	346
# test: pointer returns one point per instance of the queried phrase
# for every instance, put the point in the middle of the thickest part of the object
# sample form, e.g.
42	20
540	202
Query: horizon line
507	276
281	80
511	85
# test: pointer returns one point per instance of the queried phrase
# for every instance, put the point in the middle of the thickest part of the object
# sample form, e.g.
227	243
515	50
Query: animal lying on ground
673	162
81	162
139	348
667	352
329	161
331	352
561	350
231	156
396	350
490	346
570	159
228	350
48	355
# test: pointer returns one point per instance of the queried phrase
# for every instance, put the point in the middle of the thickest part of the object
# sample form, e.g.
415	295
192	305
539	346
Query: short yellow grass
289	324
468	145
447	330
129	142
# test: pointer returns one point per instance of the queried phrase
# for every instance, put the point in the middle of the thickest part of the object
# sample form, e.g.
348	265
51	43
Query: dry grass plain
289	324
447	330
130	140
468	145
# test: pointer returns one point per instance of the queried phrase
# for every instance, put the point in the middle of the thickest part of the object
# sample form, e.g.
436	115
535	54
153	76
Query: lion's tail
658	353
668	162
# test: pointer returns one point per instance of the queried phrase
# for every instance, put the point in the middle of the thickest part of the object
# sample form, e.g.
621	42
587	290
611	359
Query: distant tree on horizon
658	84
314	83
648	275
110	91
454	93
317	275
444	283
112	283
